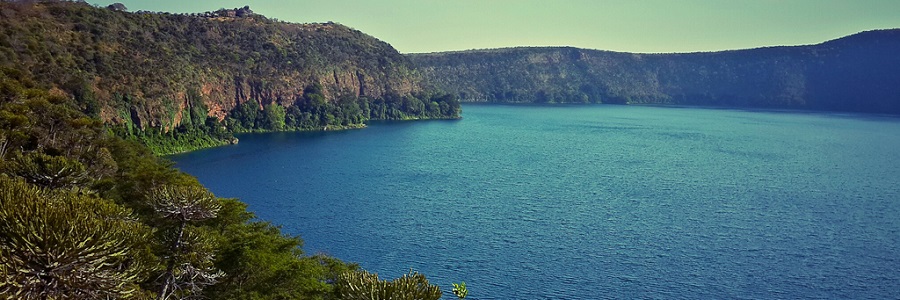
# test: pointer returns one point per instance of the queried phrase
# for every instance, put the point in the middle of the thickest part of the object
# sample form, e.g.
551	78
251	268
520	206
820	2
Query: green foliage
190	266
47	171
186	240
116	221
313	112
157	77
179	142
274	117
362	285
190	252
246	114
184	203
460	290
260	263
65	245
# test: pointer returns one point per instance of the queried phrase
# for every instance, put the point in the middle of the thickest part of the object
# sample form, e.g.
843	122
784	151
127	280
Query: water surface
591	202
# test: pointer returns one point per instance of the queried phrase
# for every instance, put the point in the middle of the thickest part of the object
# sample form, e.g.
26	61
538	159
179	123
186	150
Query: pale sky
647	26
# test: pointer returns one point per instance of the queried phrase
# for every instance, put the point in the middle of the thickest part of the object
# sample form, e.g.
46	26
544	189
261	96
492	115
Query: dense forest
85	214
88	211
178	82
856	73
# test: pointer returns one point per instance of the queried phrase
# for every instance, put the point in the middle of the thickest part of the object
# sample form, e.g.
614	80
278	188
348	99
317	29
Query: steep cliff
855	73
161	71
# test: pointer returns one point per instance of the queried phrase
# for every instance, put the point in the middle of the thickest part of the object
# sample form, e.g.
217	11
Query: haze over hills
856	73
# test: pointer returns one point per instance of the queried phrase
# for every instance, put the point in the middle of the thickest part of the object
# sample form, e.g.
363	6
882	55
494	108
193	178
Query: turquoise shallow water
591	202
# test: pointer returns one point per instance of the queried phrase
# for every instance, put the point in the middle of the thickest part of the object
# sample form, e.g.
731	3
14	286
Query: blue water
591	202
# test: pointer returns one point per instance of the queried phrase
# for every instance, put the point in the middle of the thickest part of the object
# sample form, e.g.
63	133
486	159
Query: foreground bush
362	285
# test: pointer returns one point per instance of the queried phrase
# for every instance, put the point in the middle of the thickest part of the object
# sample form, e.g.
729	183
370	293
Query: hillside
855	73
158	75
86	213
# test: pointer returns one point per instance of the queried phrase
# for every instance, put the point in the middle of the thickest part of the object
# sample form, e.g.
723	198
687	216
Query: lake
591	202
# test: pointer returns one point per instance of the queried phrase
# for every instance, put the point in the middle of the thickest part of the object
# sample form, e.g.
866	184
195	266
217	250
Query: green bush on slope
107	220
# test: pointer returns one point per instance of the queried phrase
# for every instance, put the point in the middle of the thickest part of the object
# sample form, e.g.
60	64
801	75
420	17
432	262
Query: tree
362	285
274	119
460	290
13	125
64	245
245	115
262	263
117	7
189	263
48	171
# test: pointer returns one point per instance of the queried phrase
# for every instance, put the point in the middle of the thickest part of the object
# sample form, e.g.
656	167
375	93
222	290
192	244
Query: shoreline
236	141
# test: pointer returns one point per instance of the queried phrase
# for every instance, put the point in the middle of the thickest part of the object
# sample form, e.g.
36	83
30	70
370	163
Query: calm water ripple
591	202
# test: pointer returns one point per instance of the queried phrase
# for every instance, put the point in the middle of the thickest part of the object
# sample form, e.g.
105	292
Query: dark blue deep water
591	202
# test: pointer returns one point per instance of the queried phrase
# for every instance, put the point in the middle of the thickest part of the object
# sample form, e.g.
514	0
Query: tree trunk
170	268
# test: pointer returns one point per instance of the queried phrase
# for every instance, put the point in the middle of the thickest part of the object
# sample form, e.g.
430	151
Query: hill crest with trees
857	73
169	79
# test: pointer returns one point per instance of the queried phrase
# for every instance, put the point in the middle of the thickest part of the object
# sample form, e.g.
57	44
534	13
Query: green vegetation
178	82
86	214
60	244
362	285
180	140
188	268
460	290
855	73
313	112
47	171
87	211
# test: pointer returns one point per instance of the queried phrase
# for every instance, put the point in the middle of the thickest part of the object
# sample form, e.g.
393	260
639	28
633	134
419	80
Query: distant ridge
856	73
153	73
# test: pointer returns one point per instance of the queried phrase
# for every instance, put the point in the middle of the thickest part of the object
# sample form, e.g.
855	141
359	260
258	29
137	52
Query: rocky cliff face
855	73
150	70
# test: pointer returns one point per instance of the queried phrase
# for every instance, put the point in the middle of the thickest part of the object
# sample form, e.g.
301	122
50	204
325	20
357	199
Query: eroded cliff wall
150	70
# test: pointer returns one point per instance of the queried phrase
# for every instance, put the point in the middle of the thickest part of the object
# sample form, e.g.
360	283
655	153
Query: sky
643	26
